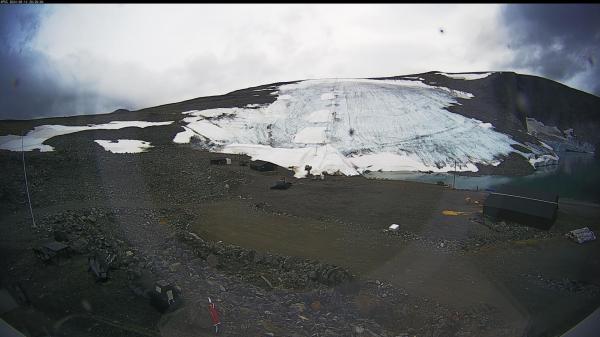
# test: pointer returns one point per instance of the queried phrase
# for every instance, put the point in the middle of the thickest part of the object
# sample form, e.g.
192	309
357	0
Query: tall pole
26	184
454	181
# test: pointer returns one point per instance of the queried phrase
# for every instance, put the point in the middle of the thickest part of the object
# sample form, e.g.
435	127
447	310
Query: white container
581	235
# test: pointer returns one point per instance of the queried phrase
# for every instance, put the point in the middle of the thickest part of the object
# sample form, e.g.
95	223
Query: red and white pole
214	315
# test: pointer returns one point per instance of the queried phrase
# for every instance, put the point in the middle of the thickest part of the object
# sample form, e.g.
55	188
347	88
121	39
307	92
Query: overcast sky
58	60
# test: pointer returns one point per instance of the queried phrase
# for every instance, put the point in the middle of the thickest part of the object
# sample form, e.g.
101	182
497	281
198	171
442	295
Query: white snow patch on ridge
124	145
413	78
466	76
35	138
366	124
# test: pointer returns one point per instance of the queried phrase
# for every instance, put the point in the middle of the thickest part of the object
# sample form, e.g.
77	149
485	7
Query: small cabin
220	161
165	296
262	166
530	209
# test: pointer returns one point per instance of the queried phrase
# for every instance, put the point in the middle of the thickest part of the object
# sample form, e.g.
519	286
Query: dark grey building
527	208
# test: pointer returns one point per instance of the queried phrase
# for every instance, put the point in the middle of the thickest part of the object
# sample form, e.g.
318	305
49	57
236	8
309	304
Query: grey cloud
559	41
228	49
30	84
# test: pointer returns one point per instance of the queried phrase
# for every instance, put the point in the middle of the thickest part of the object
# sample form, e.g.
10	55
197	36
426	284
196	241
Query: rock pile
265	269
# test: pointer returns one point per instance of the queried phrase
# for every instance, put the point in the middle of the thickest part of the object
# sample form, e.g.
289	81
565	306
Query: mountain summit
493	122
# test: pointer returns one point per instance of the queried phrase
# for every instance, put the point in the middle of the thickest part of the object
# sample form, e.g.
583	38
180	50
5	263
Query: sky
72	59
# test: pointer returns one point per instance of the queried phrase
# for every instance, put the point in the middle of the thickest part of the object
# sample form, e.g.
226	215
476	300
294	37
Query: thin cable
26	184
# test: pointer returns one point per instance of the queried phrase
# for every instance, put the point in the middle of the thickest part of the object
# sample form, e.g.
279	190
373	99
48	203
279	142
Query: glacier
348	126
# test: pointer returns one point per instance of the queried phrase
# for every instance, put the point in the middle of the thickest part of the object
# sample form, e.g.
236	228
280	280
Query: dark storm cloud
30	85
558	41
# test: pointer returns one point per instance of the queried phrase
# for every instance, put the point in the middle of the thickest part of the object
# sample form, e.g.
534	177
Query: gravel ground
314	260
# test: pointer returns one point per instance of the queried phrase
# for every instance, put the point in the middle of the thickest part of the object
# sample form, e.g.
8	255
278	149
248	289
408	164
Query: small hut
165	296
220	161
531	209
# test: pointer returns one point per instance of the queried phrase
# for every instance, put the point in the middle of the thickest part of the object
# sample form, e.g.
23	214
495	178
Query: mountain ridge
505	100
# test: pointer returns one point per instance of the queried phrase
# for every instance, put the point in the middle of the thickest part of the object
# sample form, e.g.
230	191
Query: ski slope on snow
352	125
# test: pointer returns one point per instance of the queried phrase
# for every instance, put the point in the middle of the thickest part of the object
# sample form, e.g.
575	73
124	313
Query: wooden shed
220	161
165	296
527	208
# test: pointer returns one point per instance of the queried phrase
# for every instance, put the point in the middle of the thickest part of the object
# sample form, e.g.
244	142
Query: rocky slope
481	123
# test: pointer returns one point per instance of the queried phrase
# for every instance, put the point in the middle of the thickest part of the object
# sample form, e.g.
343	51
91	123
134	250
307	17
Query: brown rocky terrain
313	260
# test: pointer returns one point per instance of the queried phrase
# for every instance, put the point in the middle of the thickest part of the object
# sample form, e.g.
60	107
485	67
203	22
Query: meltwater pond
577	176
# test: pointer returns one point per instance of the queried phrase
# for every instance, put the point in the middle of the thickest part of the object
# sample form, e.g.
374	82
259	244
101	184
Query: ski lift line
348	112
26	183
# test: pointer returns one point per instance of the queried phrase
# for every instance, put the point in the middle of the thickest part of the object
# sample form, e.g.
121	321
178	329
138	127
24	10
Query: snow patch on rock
124	145
35	138
466	76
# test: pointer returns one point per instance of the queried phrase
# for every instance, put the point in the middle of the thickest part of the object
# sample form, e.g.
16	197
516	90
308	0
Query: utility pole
454	181
25	174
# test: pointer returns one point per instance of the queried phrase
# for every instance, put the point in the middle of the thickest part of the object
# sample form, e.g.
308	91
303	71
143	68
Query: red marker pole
214	315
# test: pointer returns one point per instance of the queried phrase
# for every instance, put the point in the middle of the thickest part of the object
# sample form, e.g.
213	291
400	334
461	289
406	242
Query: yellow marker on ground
453	213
